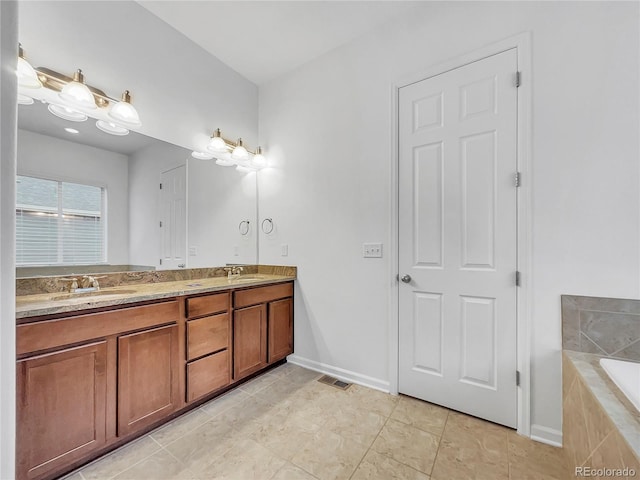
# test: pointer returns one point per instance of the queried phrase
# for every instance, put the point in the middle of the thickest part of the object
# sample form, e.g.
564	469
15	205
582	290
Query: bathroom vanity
94	372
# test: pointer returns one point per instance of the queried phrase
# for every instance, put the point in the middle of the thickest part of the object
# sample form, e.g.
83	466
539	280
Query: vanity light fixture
228	153
202	155
111	128
66	113
27	76
72	99
76	93
124	113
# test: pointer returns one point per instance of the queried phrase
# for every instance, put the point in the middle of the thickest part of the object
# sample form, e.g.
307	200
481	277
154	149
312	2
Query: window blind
59	222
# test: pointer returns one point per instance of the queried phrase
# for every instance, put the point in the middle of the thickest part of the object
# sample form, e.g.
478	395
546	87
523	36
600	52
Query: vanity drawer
207	305
254	296
46	334
207	335
208	374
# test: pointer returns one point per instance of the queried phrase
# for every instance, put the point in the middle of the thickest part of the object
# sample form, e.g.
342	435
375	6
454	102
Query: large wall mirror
88	197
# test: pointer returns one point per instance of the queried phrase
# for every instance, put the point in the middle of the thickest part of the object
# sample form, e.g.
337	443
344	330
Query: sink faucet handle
73	283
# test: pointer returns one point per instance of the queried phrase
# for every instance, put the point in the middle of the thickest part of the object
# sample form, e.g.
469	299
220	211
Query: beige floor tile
247	415
423	415
247	460
328	456
160	466
197	448
472	449
279	392
528	458
291	472
285	435
302	375
180	427
368	399
376	466
73	476
225	402
259	383
360	425
118	461
408	445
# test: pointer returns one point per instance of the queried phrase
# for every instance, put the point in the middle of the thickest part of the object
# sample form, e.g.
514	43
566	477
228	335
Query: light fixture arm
230	144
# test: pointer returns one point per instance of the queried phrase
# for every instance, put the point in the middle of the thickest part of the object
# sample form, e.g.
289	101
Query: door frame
522	44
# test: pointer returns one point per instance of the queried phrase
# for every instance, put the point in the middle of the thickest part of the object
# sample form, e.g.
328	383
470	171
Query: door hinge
160	261
160	224
517	179
517	378
517	279
160	186
518	79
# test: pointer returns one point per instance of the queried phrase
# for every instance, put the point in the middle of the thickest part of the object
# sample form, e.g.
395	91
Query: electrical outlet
236	251
193	251
284	250
372	250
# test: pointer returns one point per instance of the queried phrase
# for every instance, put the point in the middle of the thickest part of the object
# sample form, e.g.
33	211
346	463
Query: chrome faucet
233	271
87	281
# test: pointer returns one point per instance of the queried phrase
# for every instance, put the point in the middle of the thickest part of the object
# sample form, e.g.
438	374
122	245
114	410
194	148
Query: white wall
181	92
8	121
328	128
219	198
48	157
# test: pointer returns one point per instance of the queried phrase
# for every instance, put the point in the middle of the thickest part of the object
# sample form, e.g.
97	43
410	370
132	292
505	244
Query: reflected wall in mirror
91	183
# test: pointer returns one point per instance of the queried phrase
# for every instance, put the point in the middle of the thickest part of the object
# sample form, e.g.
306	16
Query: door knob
406	278
182	265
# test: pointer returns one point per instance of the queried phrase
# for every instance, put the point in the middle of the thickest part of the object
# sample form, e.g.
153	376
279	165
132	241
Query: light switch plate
372	250
284	250
193	251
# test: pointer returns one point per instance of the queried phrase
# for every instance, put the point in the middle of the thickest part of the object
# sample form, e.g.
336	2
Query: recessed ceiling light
71	130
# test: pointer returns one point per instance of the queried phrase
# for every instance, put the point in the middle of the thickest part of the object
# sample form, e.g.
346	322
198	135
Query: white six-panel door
173	218
457	227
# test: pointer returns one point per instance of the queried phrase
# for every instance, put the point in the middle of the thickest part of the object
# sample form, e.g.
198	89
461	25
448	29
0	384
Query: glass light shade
124	112
202	155
27	76
239	152
223	162
216	145
66	113
111	128
24	100
77	93
259	159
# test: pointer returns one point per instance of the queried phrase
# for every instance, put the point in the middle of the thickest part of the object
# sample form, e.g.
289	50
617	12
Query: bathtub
626	375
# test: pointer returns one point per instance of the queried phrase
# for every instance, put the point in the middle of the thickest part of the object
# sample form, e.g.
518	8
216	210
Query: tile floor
286	425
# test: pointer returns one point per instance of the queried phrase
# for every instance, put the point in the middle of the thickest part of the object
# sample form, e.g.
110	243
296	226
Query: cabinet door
249	340
280	329
61	408
148	387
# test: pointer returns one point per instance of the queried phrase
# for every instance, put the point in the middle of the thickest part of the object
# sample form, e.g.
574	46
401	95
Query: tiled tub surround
601	428
131	287
608	327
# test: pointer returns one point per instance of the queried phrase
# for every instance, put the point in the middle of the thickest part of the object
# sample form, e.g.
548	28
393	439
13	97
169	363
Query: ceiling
262	40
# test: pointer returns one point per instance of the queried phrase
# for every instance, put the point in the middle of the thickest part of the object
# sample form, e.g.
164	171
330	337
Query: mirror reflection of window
59	223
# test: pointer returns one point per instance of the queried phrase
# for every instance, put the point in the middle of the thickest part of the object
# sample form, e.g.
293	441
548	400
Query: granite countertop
619	409
60	302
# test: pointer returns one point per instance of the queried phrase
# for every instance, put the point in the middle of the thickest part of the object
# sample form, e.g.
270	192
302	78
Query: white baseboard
547	435
340	373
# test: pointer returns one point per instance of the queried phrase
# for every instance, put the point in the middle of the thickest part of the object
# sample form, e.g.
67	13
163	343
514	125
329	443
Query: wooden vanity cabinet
208	353
262	327
148	387
62	408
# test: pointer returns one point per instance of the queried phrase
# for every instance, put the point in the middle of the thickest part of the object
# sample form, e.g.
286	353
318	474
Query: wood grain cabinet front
280	328
148	386
249	340
61	408
207	335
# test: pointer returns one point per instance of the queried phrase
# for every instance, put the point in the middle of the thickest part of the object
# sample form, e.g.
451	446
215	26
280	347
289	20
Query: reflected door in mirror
173	218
